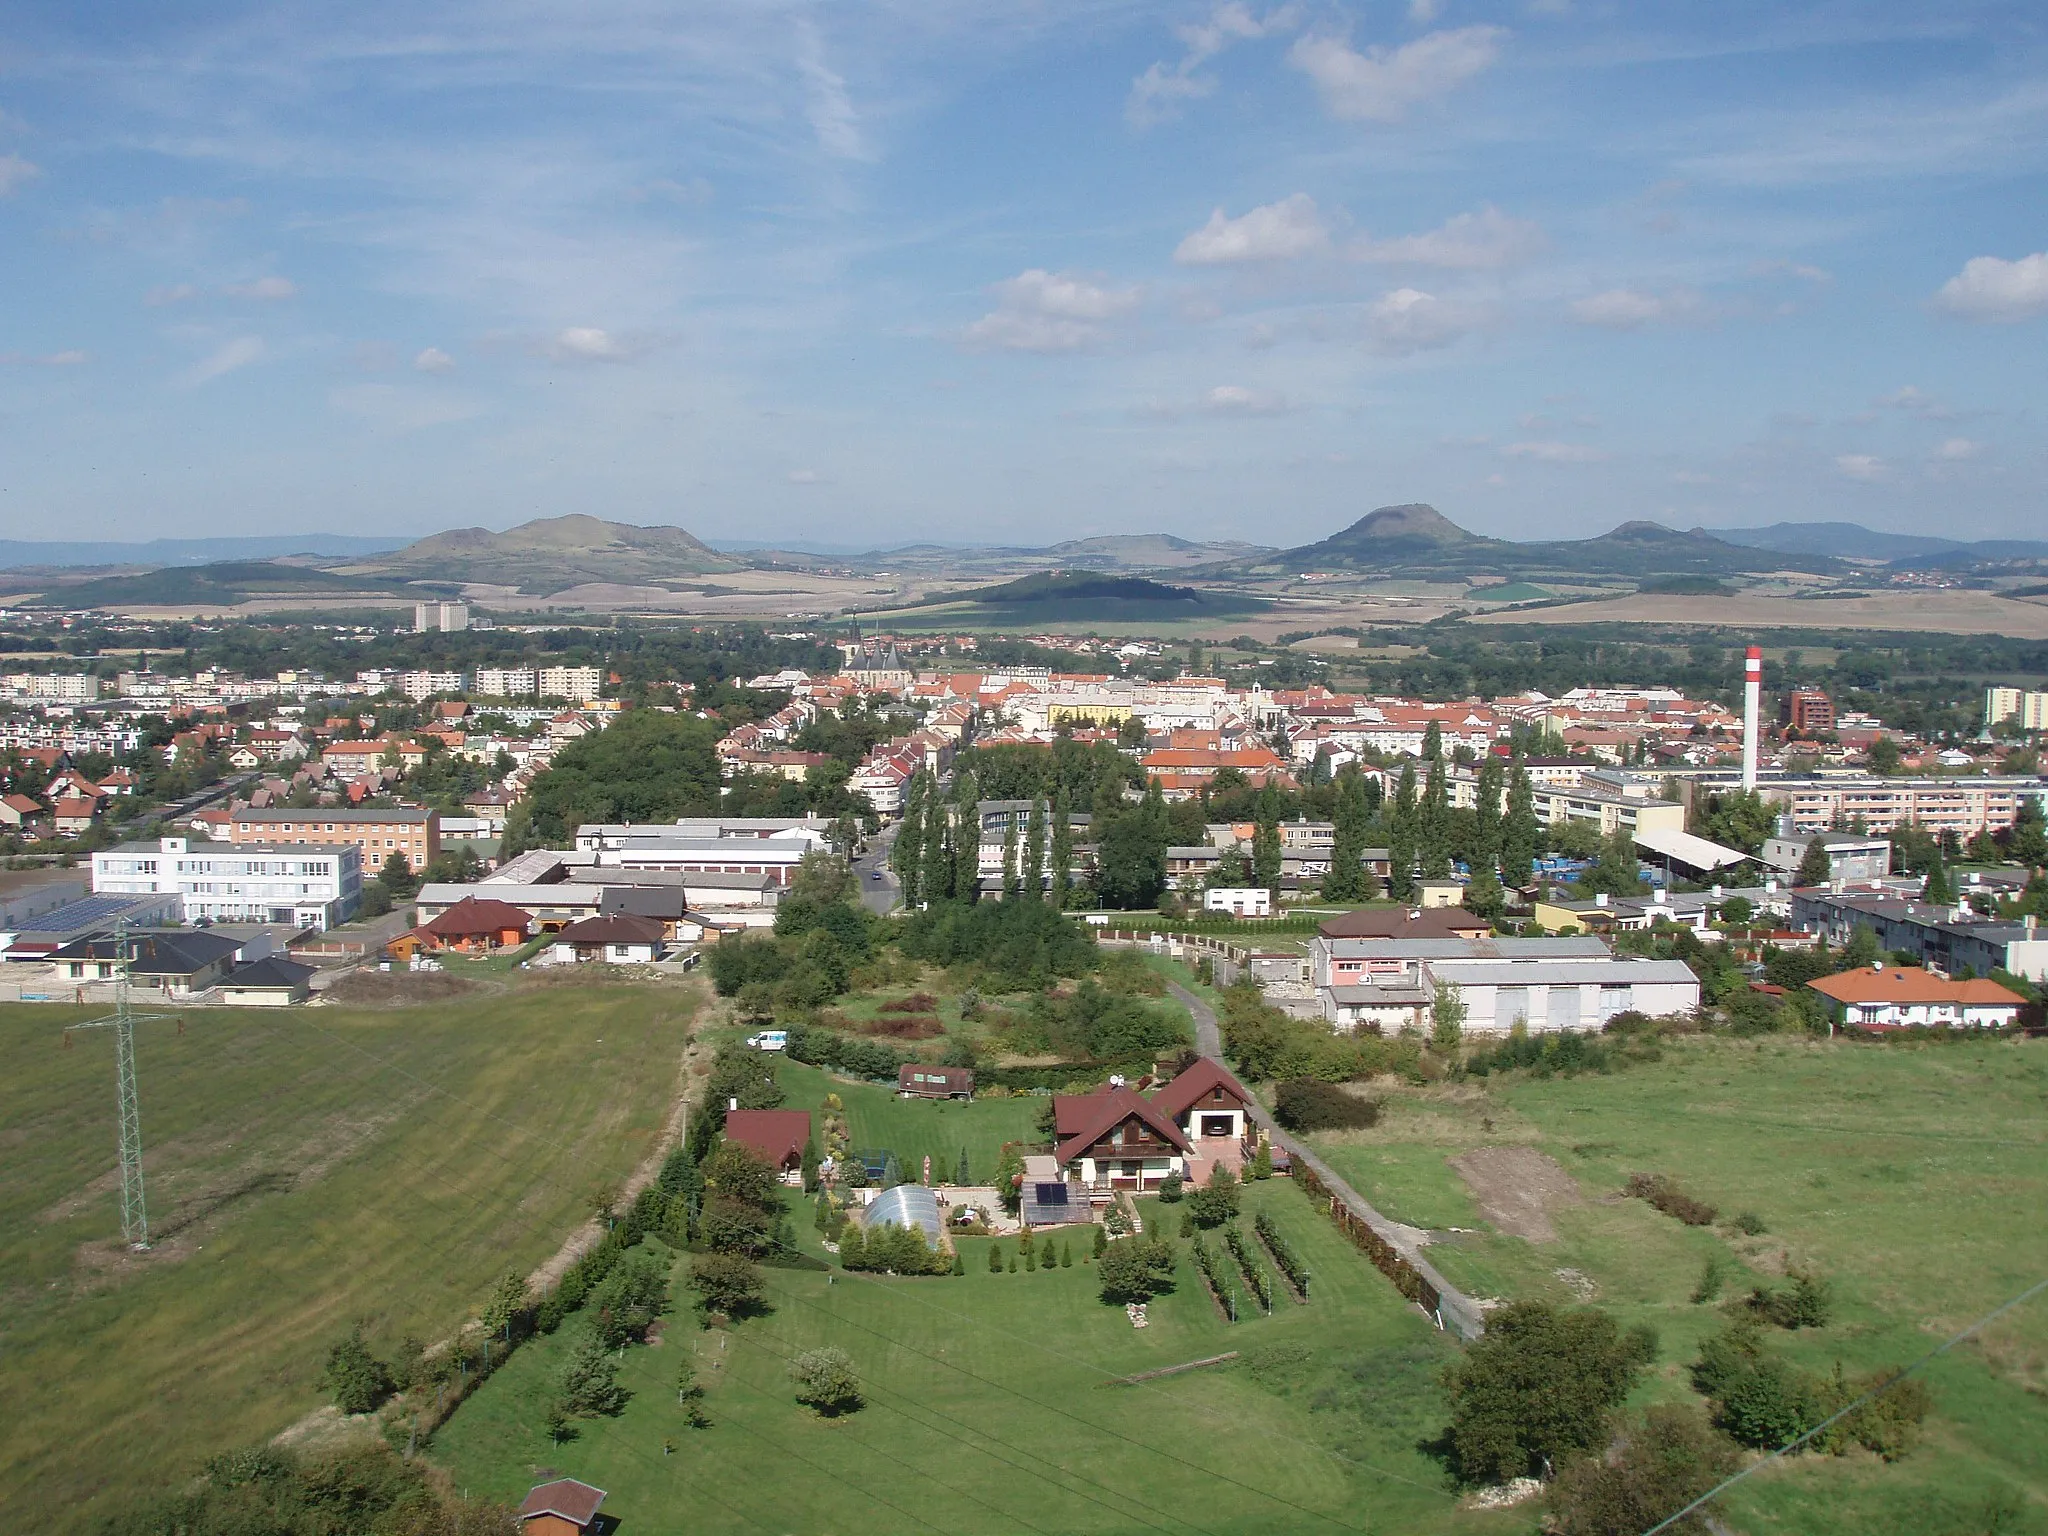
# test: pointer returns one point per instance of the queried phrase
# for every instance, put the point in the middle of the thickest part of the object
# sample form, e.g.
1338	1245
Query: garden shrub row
1765	1402
1248	1264
1283	1255
892	1249
1218	1279
1663	1193
850	1054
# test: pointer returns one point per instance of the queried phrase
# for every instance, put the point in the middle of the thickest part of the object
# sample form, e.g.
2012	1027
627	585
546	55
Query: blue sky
1021	271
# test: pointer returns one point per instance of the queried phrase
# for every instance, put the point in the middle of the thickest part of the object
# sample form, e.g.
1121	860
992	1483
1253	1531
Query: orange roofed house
777	1135
1908	997
476	925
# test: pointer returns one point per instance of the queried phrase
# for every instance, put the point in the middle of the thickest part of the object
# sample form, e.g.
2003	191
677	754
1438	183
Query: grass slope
989	1409
1912	1177
916	1129
305	1170
227	581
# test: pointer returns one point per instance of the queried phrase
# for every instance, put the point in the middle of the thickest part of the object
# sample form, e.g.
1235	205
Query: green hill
1065	596
224	582
551	554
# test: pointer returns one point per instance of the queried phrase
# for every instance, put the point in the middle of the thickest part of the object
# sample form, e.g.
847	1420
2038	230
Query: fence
1454	1310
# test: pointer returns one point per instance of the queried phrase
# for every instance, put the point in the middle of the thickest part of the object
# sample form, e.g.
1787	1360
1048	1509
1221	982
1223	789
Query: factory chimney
1752	694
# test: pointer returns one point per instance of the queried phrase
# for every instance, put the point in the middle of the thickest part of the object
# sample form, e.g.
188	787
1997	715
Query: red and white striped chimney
1752	697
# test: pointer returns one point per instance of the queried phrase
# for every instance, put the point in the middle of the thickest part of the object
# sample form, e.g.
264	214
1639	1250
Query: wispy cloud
226	358
1556	453
263	288
16	173
1382	85
1470	241
1041	311
587	344
827	106
1276	232
433	360
1862	466
1630	309
1163	89
1409	320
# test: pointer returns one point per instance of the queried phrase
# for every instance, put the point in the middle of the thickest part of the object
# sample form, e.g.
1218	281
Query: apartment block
2029	708
579	685
424	685
507	682
62	687
1964	806
443	616
379	833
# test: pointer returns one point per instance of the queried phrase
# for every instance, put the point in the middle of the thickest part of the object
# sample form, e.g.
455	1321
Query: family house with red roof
1909	997
476	925
779	1136
564	1507
1115	1139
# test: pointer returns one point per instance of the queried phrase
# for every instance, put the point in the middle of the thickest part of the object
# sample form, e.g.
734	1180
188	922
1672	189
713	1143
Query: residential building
1851	855
1449	922
475	925
412	831
421	685
618	939
1908	997
304	884
443	616
579	685
1947	939
777	1136
1964	806
1114	1140
1809	712
1605	808
2024	705
177	964
507	682
1545	996
54	687
563	1507
272	982
1239	901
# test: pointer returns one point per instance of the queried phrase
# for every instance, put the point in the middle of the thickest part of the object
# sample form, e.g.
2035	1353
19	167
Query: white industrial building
303	884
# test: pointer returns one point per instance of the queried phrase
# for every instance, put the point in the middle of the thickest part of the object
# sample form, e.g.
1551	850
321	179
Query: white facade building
579	685
424	685
64	687
1245	901
443	616
304	884
507	682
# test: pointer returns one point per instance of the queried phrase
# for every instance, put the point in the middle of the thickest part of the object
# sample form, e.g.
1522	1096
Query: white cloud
1862	466
1469	241
1237	400
1381	84
1628	309
263	288
70	358
225	358
1991	289
827	105
1423	12
400	408
1916	402
1275	232
1555	453
171	293
805	477
16	173
1955	448
1408	320
1160	91
433	360
587	343
1041	311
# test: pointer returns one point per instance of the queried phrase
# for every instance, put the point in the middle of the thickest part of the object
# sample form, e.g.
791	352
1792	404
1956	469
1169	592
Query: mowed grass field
915	1129
1914	1177
992	1407
306	1169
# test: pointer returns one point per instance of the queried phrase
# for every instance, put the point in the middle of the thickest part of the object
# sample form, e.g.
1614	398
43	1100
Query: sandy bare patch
398	989
1517	1188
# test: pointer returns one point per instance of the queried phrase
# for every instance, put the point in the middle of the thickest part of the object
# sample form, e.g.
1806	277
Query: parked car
770	1040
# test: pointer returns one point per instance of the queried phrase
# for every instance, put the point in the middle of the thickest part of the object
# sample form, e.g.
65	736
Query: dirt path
1517	1188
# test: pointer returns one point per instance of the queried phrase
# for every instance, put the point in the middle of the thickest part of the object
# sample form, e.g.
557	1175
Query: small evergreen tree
961	1174
357	1378
1815	867
1067	1255
589	1385
1101	1240
810	1166
995	1258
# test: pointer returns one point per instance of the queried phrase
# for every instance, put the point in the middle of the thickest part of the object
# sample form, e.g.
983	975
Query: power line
1875	1392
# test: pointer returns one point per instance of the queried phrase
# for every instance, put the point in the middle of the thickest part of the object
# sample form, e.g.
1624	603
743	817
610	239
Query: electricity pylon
134	1208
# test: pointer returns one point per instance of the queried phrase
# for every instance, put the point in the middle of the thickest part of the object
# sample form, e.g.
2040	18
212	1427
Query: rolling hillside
224	582
552	554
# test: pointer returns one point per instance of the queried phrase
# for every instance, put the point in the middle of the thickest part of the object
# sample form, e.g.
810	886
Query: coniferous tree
1401	834
1034	851
1435	834
1266	858
1347	879
1062	849
1518	828
1433	743
1939	891
1815	867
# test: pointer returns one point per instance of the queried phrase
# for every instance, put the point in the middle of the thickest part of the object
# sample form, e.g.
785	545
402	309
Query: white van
770	1040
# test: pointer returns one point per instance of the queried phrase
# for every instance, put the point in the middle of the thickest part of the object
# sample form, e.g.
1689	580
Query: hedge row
1662	1192
1248	1264
1218	1279
1283	1255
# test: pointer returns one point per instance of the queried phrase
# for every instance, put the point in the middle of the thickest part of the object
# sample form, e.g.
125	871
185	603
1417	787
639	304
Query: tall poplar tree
1401	838
1034	850
1347	879
1435	833
1266	858
906	854
1486	818
1518	828
1013	878
967	837
1062	848
938	847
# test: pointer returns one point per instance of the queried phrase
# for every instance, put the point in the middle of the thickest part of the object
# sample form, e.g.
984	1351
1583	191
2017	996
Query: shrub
1216	1201
1652	1470
1172	1188
917	1002
1283	1255
1539	1385
1888	1424
357	1378
1709	1286
589	1385
1217	1278
1136	1269
1248	1265
1661	1192
903	1026
1750	1224
727	1283
825	1380
1808	1303
1309	1104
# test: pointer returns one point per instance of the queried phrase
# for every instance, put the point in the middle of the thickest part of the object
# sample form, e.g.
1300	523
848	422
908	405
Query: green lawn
305	1168
918	1128
1913	1177
991	1408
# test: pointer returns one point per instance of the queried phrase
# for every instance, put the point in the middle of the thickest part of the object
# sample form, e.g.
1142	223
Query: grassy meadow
918	1128
305	1169
993	1405
1913	1177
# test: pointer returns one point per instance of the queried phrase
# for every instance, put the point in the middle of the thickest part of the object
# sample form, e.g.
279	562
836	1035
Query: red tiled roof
573	1501
1402	923
475	914
1908	984
777	1134
1104	1112
1173	1100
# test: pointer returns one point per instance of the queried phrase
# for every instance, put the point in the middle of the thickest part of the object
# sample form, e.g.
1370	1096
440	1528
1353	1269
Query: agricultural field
994	1403
1911	1177
305	1169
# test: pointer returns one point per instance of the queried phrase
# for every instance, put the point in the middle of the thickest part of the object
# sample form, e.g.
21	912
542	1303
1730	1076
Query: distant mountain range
1055	596
1853	541
59	554
1417	541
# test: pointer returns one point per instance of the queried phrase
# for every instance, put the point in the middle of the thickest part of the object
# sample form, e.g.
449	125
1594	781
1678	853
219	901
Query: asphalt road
879	891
